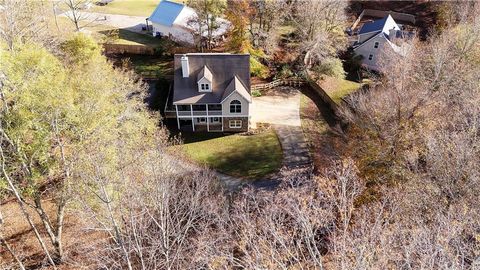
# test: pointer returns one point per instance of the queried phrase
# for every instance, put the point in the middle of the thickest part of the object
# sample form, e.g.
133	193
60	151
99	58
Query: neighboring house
211	92
377	38
176	20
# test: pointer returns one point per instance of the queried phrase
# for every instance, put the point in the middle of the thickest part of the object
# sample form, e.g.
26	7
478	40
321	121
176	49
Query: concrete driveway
280	107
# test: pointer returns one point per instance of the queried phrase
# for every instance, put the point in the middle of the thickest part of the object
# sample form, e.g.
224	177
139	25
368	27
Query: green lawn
129	7
251	156
339	88
152	65
129	37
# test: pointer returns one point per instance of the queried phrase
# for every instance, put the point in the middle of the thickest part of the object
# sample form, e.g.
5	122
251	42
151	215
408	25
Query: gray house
211	92
377	38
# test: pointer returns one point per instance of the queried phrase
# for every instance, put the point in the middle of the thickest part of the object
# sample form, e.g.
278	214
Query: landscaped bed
248	156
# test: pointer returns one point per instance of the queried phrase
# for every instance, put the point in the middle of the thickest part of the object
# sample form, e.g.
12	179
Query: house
211	92
376	38
177	21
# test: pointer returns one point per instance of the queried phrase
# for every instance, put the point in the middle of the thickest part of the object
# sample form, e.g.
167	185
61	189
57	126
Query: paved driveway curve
281	109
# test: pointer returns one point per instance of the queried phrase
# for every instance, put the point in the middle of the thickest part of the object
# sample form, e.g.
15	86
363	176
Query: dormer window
204	80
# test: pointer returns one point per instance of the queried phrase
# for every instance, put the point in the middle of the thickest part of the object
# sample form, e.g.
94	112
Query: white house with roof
377	38
211	92
176	20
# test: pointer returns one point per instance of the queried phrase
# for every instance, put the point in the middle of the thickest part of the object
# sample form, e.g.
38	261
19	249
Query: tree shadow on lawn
252	160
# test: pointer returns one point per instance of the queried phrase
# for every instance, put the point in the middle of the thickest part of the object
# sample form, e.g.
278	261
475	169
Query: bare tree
77	15
22	21
155	218
320	26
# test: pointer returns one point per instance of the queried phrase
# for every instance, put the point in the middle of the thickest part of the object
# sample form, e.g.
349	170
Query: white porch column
191	114
208	120
178	119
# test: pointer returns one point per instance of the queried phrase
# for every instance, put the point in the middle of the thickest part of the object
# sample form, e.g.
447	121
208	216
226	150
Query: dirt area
424	11
21	238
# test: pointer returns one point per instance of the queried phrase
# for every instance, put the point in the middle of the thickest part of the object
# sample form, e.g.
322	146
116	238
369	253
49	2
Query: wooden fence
279	82
404	17
127	48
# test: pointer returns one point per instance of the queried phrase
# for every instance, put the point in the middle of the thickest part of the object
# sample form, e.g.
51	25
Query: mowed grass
339	88
129	37
250	157
152	65
128	7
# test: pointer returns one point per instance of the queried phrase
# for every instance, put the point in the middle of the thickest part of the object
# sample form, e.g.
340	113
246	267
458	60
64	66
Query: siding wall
177	32
237	96
368	48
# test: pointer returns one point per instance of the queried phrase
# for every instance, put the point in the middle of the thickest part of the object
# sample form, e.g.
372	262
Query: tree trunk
9	249
24	210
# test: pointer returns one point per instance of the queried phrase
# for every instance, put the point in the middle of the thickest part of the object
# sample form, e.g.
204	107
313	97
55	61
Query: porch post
208	120
178	119
191	114
222	122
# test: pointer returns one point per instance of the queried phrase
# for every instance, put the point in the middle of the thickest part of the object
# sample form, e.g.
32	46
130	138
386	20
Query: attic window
370	57
204	87
376	45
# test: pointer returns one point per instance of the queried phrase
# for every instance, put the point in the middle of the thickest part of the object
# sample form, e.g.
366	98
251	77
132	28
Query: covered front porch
199	117
206	124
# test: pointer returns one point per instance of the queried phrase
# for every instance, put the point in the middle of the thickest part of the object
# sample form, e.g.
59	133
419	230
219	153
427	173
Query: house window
376	45
235	106
201	120
235	123
215	107
205	87
215	120
370	57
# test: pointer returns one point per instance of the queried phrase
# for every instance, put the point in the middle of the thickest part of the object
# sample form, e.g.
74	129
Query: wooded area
87	172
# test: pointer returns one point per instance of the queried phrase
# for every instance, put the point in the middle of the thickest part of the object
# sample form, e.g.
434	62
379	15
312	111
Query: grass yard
128	37
128	7
147	64
250	157
338	88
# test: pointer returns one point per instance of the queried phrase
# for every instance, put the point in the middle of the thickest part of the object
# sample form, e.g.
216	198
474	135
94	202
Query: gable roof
166	12
384	25
223	66
205	73
236	85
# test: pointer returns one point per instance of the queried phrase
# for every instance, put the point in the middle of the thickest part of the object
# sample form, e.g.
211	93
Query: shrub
256	93
330	67
257	69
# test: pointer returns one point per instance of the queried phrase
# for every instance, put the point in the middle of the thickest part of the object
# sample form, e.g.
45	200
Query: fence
279	82
127	48
381	13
